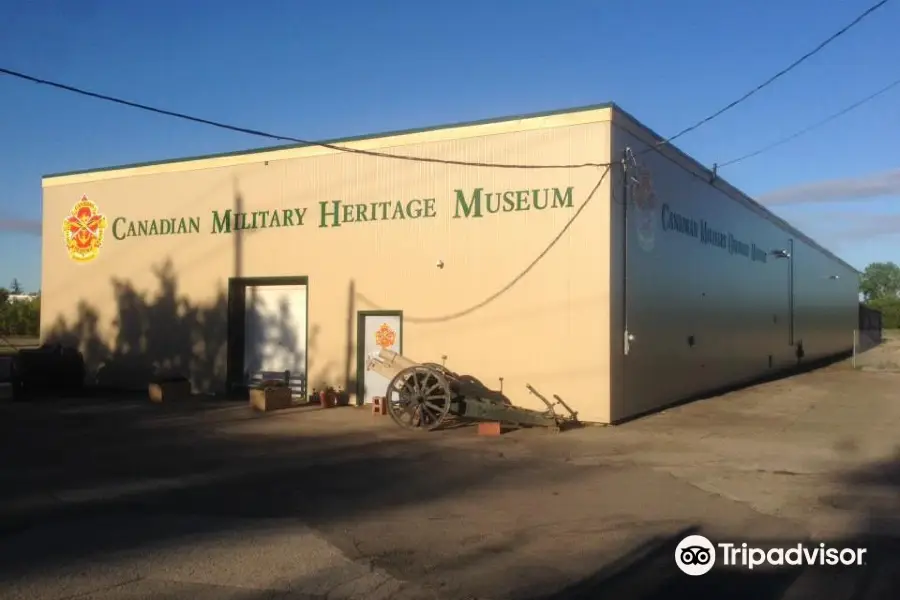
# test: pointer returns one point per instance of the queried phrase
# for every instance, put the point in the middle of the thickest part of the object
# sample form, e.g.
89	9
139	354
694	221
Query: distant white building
21	297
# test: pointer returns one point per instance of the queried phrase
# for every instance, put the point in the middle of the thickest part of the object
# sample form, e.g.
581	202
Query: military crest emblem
385	336
83	231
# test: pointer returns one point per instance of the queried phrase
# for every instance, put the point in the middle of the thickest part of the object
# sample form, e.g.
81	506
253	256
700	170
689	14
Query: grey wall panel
826	299
706	302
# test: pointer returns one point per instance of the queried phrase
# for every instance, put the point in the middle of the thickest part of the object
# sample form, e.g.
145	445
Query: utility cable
773	78
816	125
256	132
375	153
514	280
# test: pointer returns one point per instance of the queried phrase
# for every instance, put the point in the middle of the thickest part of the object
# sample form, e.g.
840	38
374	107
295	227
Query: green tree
880	280
890	311
19	318
15	287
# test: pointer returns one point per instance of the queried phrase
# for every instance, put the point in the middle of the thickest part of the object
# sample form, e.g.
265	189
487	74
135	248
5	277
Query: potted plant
342	397
331	397
269	395
169	388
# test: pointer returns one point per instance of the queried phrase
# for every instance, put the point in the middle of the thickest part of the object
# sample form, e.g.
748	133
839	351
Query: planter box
270	398
170	391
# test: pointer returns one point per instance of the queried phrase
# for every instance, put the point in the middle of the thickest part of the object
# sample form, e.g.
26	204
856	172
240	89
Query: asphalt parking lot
118	498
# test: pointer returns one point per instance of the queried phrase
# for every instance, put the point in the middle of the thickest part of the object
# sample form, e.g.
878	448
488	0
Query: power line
816	125
238	129
517	278
375	153
774	77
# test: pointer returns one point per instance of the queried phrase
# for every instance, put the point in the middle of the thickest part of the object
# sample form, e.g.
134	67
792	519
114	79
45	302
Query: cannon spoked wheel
419	397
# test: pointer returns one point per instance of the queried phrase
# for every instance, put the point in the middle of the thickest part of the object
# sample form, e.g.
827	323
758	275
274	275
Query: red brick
492	428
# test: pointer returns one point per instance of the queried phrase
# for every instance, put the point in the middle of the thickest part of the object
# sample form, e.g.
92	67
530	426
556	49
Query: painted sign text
473	204
708	235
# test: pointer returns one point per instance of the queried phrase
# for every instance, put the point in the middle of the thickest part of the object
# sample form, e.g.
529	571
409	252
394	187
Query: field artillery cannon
423	395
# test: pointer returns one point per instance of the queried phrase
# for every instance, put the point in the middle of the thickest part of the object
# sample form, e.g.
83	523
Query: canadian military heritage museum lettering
477	203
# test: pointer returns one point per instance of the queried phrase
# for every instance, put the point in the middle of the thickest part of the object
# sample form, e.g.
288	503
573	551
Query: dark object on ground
49	370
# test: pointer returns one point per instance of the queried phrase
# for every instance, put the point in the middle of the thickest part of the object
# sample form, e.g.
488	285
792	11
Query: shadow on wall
154	335
270	324
162	334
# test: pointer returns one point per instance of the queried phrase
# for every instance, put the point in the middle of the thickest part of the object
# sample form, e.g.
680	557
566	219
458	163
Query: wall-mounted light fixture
780	253
834	277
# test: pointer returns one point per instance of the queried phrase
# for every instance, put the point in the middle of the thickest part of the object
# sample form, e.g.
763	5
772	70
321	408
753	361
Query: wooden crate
268	399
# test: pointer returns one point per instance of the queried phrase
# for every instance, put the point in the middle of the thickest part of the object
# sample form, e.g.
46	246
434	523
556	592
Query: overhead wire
773	78
812	127
515	280
285	138
375	153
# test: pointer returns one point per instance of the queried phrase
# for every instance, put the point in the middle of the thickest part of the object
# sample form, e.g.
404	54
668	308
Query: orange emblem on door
385	336
83	231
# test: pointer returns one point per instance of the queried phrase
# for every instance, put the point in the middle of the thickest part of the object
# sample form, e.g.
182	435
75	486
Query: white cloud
870	225
886	183
29	226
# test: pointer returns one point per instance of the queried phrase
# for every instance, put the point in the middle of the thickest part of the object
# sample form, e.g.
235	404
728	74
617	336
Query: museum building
572	251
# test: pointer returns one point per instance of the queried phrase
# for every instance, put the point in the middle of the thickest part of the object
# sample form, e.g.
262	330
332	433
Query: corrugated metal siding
705	318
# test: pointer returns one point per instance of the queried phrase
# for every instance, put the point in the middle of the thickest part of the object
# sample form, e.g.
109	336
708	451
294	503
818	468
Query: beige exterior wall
707	316
160	301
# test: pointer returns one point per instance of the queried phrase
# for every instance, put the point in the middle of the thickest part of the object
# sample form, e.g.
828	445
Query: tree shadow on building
273	340
160	334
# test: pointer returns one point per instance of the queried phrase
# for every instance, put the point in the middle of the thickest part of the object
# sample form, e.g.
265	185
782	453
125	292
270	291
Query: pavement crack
713	490
105	588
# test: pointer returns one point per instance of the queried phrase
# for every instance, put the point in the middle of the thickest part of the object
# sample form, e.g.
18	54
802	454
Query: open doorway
268	330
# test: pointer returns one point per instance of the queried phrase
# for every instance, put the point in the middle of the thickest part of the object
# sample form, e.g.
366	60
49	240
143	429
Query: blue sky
322	69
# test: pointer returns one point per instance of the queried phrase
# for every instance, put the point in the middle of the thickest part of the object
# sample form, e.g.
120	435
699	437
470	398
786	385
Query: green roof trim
344	140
